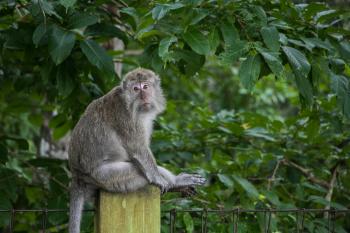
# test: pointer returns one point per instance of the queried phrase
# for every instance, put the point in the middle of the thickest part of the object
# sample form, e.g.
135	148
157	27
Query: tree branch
273	176
331	188
307	173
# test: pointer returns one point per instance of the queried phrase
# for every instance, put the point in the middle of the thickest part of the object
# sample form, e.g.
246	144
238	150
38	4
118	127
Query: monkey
110	145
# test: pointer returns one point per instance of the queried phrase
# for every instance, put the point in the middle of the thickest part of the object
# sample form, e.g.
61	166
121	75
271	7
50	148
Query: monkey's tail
75	207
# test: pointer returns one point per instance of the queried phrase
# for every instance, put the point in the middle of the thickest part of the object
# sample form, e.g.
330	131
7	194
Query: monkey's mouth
146	106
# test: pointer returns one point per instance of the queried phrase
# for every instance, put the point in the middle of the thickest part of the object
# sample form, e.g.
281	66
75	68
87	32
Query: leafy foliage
264	86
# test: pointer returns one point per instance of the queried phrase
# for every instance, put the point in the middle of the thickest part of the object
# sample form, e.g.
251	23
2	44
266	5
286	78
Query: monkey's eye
136	88
145	86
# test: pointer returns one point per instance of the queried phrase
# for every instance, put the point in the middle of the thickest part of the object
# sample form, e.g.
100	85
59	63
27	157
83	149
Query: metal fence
231	217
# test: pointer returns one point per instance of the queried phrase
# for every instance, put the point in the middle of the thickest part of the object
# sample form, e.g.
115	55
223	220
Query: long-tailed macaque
110	145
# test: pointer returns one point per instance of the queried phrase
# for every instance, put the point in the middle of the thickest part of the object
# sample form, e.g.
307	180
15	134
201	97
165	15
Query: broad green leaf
249	71
247	186
227	181
229	33
261	15
161	10
260	132
197	41
214	40
340	86
199	14
61	44
305	88
345	50
80	20
130	11
192	61
301	68
97	55
68	3
46	7
147	32
317	42
164	45
39	33
65	81
233	52
273	61
105	30
271	38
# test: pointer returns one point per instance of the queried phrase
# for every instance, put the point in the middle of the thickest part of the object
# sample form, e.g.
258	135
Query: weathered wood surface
137	212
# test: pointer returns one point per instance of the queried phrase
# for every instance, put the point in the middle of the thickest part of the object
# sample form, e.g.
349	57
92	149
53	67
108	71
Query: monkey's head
142	91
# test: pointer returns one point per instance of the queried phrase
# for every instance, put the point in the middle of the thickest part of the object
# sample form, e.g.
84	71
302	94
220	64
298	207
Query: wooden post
137	212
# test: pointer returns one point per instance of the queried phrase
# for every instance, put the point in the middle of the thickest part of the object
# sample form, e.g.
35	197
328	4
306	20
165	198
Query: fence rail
203	213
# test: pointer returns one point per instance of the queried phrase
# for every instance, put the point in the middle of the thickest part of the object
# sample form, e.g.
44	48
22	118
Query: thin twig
330	190
307	173
273	176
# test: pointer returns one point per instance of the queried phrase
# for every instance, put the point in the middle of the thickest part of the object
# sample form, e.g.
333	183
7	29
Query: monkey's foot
185	179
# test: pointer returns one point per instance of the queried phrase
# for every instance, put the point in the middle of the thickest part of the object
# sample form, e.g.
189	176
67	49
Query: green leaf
164	45
214	40
46	7
249	71
3	153
271	38
345	50
39	33
80	20
340	87
97	55
68	3
197	41
189	61
61	44
188	222
65	80
161	10
229	33
346	105
317	42
233	52
199	14
260	132
106	30
301	68
227	181
273	61
247	186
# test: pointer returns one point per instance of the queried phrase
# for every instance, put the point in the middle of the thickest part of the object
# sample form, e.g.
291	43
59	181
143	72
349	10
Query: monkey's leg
118	177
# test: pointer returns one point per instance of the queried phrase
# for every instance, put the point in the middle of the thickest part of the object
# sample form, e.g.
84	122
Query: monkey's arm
145	162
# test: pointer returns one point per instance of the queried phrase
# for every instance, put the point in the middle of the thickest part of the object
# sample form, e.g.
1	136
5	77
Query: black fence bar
235	213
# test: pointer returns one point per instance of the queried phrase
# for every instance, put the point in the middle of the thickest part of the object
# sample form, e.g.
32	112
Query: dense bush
259	99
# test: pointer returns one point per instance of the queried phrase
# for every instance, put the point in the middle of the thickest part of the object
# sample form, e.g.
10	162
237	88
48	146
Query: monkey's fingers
185	179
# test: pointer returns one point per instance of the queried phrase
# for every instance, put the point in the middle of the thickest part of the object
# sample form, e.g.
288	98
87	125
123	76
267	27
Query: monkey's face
142	93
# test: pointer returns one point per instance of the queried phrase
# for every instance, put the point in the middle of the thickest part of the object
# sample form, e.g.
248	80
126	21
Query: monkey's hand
185	179
162	184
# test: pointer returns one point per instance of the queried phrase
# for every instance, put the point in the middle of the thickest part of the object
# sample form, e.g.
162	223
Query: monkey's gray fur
109	148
